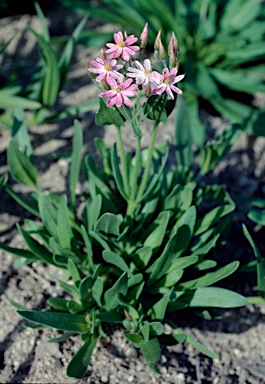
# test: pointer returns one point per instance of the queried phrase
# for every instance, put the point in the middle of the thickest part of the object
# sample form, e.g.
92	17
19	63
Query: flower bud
105	84
144	37
158	38
148	91
161	50
102	55
172	59
90	74
173	50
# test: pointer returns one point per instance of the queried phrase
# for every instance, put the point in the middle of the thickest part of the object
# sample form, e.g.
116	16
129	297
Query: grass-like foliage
137	270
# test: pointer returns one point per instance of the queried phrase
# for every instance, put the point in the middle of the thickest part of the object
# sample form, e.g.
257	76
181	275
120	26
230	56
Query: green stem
123	160
132	204
148	163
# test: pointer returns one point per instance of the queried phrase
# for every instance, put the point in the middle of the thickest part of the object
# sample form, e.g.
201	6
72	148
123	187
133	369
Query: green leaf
3	180
155	109
97	290
142	257
29	206
115	259
64	230
116	172
157	231
19	252
48	214
109	224
43	21
58	320
108	116
21	168
255	123
135	338
158	310
20	132
210	278
11	101
36	248
214	297
74	272
260	263
211	153
196	344
75	160
110	296
110	317
150	350
67	53
79	363
93	211
51	76
58	303
232	110
128	308
183	138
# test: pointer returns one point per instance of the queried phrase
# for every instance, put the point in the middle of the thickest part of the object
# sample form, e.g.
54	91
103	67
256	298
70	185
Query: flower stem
148	163
137	167
123	160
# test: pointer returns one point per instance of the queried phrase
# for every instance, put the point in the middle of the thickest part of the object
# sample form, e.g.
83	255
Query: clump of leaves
137	268
222	49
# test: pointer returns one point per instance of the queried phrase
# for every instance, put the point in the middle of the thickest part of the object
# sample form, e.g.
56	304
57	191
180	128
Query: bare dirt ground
25	355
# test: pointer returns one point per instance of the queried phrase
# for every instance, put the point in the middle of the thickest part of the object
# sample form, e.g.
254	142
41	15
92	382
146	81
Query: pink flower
166	81
122	47
105	69
120	92
141	73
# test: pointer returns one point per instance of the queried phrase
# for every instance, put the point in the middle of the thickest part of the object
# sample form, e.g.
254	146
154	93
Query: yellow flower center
107	67
166	80
121	44
147	72
117	89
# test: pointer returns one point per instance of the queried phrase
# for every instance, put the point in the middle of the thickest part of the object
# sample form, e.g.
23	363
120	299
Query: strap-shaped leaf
75	160
67	53
29	206
115	259
211	278
214	297
74	272
79	363
64	230
110	296
58	320
51	78
260	263
20	132
97	290
21	168
36	248
93	211
48	215
109	224
157	231
180	336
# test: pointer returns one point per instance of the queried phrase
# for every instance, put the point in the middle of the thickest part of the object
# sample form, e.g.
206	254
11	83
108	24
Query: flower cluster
119	87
